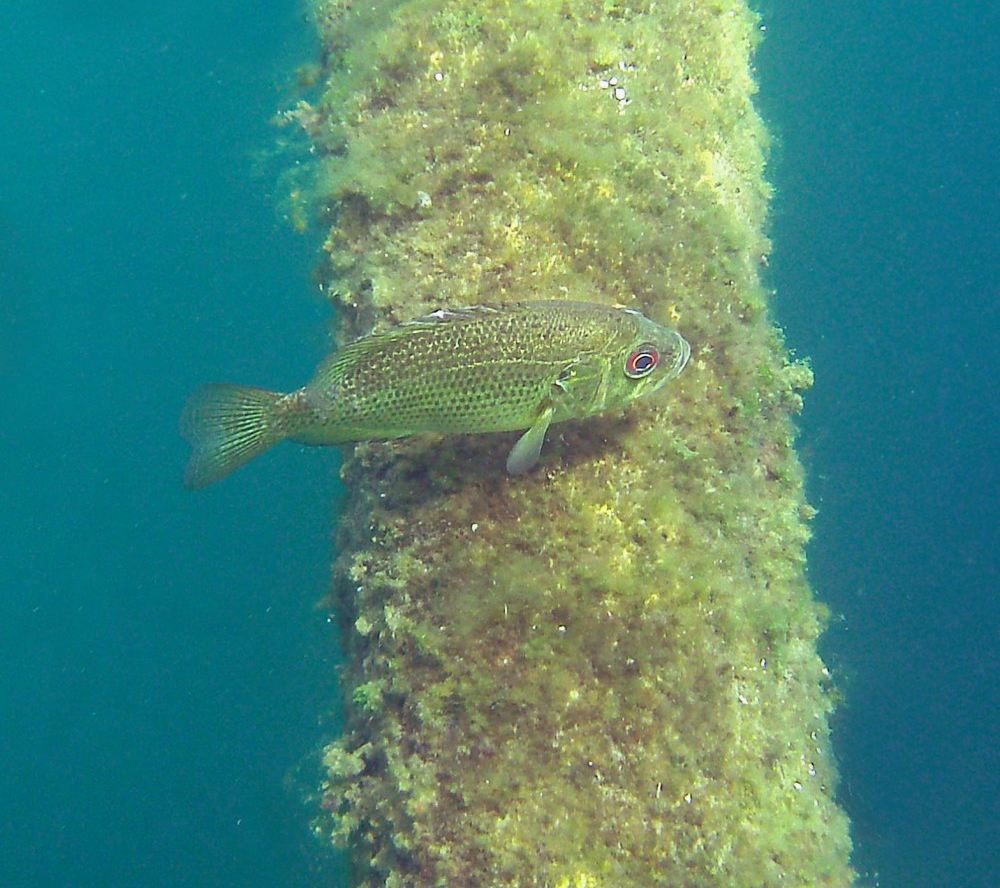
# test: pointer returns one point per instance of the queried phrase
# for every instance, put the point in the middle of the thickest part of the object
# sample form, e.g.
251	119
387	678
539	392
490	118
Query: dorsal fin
465	313
356	350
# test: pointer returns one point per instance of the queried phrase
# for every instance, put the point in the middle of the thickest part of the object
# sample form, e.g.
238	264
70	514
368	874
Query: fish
479	369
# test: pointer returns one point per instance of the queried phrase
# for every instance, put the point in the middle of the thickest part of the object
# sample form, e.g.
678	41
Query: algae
605	673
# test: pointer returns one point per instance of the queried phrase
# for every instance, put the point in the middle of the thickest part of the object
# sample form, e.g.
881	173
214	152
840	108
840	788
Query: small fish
478	369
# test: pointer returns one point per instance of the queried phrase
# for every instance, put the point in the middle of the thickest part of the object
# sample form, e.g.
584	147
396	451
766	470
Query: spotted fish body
480	369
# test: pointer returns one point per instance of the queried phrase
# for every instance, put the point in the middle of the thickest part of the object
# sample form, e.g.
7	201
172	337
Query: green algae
603	674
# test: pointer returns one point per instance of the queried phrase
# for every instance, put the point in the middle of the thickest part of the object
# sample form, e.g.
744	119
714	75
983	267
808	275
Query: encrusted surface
604	673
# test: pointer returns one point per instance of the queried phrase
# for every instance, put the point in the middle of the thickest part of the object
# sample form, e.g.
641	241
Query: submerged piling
603	673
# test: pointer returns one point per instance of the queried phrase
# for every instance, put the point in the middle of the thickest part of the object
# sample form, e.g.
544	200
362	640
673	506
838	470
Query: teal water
887	237
162	670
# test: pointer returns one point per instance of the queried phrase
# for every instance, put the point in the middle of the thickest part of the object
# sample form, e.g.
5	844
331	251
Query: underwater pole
603	673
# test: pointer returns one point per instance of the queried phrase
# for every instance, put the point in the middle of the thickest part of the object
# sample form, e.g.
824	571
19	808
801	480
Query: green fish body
479	369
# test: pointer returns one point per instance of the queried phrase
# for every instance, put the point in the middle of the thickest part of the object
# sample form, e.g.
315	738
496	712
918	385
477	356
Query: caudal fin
227	426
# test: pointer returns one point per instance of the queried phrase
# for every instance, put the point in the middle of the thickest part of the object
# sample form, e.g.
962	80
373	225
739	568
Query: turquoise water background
164	677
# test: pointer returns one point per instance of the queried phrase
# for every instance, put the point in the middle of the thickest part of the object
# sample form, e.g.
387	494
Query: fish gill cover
603	673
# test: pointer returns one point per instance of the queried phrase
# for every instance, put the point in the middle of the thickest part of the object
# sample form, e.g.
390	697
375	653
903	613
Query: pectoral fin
524	454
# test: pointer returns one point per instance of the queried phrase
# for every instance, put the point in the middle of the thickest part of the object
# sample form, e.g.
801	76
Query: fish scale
474	371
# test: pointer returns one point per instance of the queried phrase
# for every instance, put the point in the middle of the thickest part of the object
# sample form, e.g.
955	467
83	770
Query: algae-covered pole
603	673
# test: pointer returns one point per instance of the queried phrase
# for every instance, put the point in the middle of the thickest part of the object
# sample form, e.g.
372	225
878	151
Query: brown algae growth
603	673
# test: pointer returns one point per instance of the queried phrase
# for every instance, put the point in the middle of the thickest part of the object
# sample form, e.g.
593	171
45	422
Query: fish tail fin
227	426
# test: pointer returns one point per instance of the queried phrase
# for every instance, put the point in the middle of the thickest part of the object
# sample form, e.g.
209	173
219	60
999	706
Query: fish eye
642	361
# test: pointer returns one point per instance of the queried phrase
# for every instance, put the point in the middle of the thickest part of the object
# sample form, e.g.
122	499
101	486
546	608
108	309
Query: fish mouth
683	356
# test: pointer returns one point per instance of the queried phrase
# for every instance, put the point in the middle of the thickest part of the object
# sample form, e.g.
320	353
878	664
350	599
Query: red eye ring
643	361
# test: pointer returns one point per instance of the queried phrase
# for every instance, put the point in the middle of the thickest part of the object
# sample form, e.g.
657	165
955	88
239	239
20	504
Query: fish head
651	356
